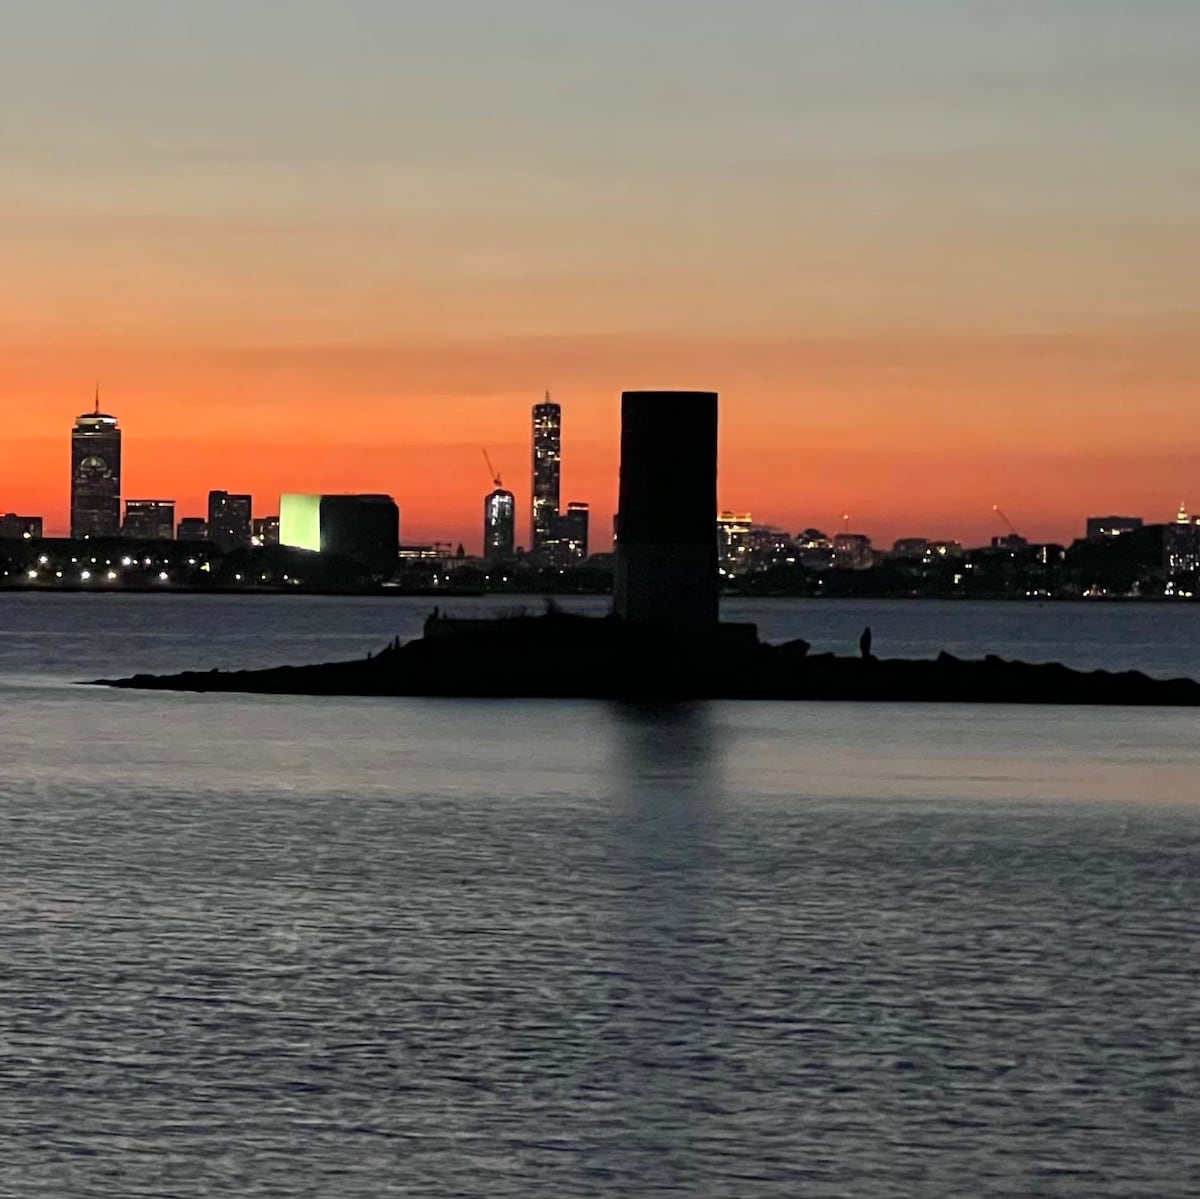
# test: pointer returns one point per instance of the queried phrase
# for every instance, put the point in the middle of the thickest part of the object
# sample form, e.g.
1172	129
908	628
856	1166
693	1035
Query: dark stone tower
666	566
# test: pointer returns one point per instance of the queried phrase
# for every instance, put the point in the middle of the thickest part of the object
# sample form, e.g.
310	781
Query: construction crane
1000	513
491	469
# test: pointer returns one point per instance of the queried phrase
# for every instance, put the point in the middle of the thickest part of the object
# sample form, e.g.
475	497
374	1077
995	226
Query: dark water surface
274	946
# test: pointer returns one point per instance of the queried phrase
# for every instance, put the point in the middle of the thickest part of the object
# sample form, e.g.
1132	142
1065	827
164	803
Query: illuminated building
547	458
813	539
815	549
733	529
852	551
571	534
768	546
744	547
365	528
300	522
21	528
95	475
499	525
666	560
192	528
1181	546
1100	527
149	520
265	531
229	522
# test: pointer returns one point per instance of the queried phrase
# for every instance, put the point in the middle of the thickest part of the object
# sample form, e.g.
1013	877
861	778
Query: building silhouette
364	528
149	520
547	459
265	531
95	474
21	528
192	528
666	559
1100	527
229	522
499	525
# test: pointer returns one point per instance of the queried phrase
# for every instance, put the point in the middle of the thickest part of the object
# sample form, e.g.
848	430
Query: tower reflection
668	999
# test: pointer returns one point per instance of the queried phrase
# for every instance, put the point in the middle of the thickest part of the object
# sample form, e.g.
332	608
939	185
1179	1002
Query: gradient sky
934	254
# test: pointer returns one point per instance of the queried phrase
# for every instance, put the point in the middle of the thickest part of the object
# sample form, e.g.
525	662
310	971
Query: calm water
273	946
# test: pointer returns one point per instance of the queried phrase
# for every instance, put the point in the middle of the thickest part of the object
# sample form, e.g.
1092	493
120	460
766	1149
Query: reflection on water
83	636
286	946
669	760
665	849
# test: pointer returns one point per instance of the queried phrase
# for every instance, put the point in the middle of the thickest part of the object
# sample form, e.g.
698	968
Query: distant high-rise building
733	532
23	528
365	528
1181	546
229	523
499	525
149	520
571	534
1100	527
192	528
547	459
95	475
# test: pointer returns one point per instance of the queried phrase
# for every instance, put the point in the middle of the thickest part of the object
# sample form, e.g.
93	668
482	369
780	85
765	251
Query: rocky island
565	656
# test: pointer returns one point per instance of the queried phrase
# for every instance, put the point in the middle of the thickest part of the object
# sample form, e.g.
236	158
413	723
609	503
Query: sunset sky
934	254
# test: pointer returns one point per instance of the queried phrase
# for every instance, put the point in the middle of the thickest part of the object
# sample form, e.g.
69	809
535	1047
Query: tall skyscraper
499	525
547	457
96	474
666	565
229	525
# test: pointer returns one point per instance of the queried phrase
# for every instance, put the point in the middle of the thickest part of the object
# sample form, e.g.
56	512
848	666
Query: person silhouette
864	642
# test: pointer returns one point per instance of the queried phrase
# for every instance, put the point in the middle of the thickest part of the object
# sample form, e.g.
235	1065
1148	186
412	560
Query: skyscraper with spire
547	458
95	474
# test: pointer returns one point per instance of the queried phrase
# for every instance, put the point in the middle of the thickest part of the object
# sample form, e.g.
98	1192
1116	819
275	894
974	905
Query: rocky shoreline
565	656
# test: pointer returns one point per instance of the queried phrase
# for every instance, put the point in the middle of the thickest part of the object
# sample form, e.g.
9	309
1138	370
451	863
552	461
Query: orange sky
931	264
911	437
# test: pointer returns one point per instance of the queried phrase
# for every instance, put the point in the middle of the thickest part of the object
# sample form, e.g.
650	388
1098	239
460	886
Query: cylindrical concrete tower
666	565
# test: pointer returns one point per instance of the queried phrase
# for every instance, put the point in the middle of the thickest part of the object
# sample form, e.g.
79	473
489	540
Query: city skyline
266	503
935	256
